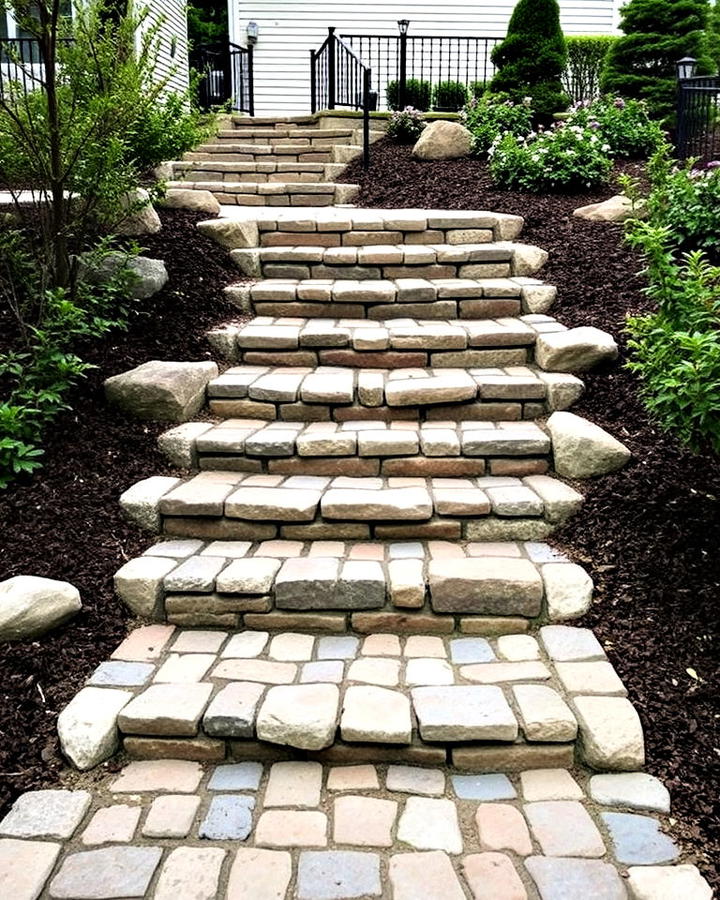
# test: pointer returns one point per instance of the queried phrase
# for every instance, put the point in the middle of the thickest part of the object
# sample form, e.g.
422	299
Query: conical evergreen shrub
657	33
531	59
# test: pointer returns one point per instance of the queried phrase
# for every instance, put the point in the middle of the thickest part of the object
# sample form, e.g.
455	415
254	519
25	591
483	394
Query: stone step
281	193
413	586
289	134
224	505
394	344
316	149
511	703
250	172
242	121
422	298
325	393
360	448
352	227
501	259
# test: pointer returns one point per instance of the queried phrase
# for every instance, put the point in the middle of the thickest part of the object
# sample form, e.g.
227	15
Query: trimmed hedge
586	55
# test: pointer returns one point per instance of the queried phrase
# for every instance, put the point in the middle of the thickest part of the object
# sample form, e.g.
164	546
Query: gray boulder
574	350
443	140
31	606
141	216
148	275
183	198
161	391
582	449
616	209
232	234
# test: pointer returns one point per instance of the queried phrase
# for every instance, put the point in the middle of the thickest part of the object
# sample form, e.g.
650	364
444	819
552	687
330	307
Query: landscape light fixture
686	68
252	31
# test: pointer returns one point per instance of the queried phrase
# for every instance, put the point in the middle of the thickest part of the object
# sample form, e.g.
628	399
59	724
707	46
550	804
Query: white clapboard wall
172	42
289	29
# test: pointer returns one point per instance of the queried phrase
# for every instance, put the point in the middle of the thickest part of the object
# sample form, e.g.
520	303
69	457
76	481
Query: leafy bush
624	125
531	59
405	126
657	33
492	115
449	95
566	158
417	94
676	350
478	89
586	55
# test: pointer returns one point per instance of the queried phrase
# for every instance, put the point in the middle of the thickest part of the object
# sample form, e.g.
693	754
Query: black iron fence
425	71
226	74
339	79
21	65
698	118
243	89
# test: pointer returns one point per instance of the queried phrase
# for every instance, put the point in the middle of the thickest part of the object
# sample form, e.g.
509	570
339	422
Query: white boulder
198	201
616	209
87	727
31	606
568	590
574	350
443	140
141	217
161	391
582	449
232	234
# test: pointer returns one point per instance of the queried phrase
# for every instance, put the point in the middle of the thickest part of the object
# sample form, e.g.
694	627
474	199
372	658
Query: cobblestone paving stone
178	829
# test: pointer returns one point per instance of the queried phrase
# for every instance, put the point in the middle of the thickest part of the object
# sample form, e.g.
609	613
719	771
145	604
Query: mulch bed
649	535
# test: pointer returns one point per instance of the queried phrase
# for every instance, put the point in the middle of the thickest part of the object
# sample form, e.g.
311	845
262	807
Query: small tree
714	34
531	59
657	33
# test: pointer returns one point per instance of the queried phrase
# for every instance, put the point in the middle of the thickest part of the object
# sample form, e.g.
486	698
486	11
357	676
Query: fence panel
698	118
241	66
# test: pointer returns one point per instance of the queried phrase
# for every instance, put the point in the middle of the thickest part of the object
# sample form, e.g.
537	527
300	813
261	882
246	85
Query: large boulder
582	449
141	216
198	201
148	275
232	234
616	209
31	606
574	350
161	391
443	140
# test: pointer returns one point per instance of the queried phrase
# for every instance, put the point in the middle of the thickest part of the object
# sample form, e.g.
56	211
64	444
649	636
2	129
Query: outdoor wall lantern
252	32
403	25
686	68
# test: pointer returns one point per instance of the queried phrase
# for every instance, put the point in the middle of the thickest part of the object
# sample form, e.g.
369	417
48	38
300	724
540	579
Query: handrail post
332	59
402	75
366	117
251	81
313	83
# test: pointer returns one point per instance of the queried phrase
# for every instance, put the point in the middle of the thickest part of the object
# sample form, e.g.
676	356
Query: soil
648	534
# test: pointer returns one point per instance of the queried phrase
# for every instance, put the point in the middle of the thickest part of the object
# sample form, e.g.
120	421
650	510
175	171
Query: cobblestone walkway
175	830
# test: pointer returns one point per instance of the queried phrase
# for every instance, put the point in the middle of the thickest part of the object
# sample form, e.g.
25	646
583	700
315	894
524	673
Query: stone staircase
272	162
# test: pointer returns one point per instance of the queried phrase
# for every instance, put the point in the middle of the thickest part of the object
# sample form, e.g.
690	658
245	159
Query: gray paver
471	650
106	873
338	874
244	776
229	818
115	672
567	879
638	840
46	814
483	787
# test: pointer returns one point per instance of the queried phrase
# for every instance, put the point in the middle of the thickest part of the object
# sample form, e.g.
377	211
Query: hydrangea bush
493	114
405	125
564	158
625	125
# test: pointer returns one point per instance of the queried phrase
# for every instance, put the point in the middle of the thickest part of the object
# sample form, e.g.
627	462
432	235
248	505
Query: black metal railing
339	79
21	65
697	133
243	87
430	59
212	64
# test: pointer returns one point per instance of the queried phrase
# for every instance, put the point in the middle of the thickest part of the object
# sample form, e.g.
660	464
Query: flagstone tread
313	831
360	448
211	692
321	393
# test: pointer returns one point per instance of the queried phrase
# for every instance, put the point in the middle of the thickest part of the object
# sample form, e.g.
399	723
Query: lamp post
403	25
686	68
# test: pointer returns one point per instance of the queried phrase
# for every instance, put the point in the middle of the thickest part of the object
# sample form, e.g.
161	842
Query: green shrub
531	59
656	33
586	55
492	115
417	94
564	159
624	125
478	89
405	126
449	95
714	34
676	350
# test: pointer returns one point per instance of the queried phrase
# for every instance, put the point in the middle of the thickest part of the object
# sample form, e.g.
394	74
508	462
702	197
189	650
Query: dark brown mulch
649	535
67	523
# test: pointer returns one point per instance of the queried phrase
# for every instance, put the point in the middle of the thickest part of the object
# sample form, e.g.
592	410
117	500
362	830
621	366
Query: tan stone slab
400	503
166	709
273	504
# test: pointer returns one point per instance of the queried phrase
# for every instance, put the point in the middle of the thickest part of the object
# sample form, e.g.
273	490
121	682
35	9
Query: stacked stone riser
359	449
415	587
400	343
220	169
223	700
297	394
281	193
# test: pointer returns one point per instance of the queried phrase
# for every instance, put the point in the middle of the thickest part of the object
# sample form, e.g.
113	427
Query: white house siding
289	29
172	40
